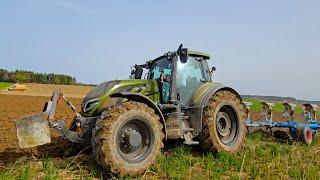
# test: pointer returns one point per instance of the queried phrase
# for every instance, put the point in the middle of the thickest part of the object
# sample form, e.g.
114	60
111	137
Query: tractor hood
93	97
98	97
100	90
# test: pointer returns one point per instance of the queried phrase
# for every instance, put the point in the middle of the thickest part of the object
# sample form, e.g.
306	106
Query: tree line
21	76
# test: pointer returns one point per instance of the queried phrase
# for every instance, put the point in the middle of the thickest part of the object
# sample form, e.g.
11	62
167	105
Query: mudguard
203	94
143	99
200	100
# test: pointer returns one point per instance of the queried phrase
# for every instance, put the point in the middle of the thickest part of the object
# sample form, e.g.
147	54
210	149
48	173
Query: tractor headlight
90	104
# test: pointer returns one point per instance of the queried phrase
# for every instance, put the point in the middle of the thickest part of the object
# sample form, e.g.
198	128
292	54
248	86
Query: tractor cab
178	74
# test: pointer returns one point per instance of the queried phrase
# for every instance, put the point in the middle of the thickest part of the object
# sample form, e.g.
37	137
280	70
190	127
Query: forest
22	76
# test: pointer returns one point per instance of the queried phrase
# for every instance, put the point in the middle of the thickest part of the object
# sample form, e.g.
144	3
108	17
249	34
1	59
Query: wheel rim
227	125
135	140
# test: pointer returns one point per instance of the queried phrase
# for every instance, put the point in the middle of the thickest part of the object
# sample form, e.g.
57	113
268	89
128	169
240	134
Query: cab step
188	139
191	143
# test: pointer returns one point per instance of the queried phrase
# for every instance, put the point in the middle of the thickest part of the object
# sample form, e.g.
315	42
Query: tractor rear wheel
224	127
128	139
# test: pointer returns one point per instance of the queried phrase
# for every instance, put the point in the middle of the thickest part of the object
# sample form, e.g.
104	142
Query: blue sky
259	47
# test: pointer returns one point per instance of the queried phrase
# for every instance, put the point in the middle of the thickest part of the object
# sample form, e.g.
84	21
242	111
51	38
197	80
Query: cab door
189	77
161	71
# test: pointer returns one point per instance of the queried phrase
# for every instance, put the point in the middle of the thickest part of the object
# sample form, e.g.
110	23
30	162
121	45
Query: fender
143	99
200	100
203	94
214	90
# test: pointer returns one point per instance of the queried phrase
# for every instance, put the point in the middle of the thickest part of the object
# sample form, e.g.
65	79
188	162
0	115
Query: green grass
260	157
4	85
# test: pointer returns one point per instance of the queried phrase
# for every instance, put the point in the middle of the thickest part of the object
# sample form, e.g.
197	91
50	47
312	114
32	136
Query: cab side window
163	66
161	71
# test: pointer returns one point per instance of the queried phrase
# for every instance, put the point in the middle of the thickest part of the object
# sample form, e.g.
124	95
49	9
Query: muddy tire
224	127
127	139
307	136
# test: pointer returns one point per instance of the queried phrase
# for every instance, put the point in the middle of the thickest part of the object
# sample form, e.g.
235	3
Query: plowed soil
13	107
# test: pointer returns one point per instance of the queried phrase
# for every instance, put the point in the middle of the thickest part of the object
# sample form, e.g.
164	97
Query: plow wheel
128	139
224	126
307	136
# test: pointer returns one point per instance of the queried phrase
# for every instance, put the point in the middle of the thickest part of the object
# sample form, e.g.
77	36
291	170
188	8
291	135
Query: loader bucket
33	130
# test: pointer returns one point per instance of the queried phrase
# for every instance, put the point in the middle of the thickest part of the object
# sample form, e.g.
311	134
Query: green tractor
127	121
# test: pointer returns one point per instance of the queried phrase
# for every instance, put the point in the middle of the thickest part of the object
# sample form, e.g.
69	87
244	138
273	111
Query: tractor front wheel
224	127
128	139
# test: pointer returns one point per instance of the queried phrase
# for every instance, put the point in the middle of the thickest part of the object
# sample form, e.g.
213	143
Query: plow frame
309	112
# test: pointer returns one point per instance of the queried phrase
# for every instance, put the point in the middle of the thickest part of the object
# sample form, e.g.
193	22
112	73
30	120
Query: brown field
45	90
14	105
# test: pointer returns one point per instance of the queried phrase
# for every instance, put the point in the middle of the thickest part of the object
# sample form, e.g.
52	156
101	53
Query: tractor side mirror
136	72
133	72
183	54
213	69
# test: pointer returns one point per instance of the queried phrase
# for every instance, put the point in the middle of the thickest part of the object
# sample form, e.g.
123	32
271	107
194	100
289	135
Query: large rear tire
128	139
224	126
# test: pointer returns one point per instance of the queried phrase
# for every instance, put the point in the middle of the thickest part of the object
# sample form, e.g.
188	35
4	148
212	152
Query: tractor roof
191	53
198	53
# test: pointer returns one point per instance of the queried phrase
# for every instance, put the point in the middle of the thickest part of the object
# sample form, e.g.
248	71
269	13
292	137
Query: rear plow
298	131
